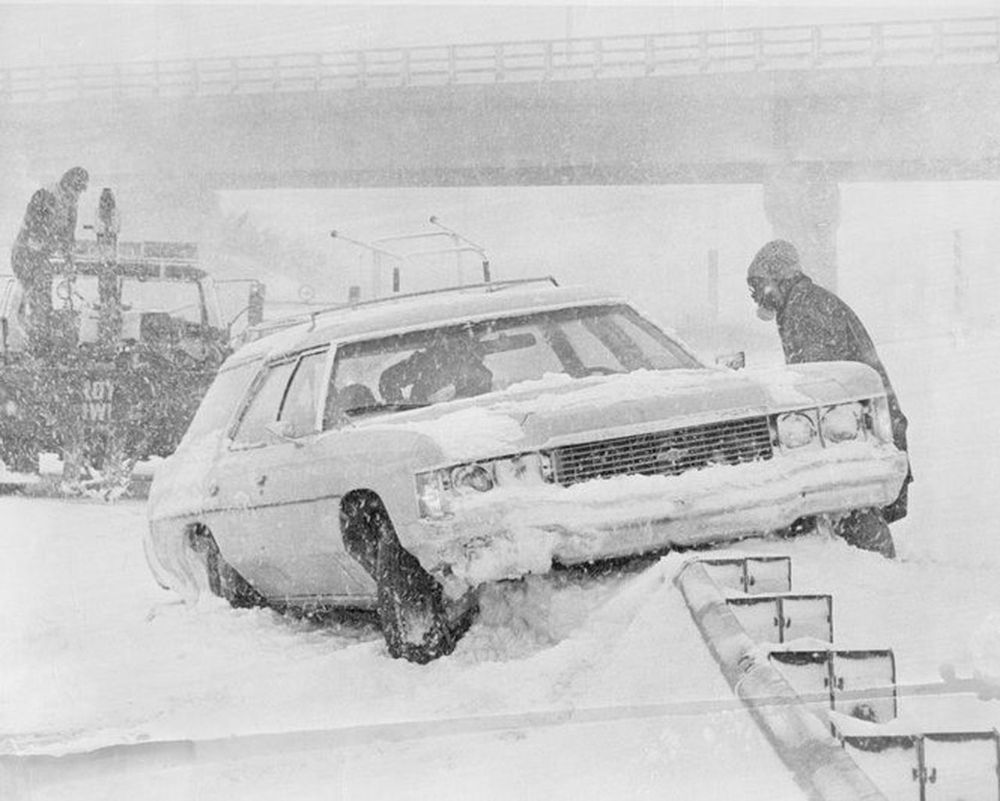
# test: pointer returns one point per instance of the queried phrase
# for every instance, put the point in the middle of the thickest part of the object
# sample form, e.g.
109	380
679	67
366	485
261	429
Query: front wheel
867	529
411	608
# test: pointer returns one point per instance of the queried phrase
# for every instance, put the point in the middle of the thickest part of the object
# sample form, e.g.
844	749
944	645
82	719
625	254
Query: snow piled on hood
472	430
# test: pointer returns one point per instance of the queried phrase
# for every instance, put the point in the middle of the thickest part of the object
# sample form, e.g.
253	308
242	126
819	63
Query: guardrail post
452	77
703	51
318	74
405	77
937	38
878	43
117	90
195	78
275	74
598	48
234	76
156	79
498	58
758	49
547	56
362	69
650	54
817	46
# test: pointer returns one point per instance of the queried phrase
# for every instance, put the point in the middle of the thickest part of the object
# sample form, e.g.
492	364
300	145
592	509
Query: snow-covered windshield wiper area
441	364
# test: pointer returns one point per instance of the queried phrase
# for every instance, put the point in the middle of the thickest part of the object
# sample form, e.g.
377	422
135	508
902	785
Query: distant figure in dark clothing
48	230
451	367
817	326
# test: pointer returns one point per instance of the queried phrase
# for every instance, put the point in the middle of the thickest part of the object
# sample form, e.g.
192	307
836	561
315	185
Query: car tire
866	529
223	579
411	607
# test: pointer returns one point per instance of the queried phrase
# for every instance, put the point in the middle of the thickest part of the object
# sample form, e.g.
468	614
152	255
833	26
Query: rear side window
287	393
223	396
262	410
298	410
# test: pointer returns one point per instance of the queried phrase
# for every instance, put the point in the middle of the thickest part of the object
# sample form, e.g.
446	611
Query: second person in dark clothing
817	326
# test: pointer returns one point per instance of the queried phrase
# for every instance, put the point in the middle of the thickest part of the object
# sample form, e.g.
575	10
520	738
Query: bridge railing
951	41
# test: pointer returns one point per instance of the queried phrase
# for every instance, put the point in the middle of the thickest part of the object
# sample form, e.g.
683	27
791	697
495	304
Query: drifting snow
563	688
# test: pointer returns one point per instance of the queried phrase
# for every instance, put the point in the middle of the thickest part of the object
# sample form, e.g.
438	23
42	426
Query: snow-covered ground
564	688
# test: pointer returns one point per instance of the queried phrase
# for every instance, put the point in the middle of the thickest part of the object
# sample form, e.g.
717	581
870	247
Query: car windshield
180	299
437	365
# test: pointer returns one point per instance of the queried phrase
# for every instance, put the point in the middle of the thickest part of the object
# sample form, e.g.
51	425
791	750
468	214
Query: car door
279	525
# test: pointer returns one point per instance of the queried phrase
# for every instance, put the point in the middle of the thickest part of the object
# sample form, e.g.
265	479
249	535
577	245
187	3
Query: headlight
878	420
797	429
437	488
842	423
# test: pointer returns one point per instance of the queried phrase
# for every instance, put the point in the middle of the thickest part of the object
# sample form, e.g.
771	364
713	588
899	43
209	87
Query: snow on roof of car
403	313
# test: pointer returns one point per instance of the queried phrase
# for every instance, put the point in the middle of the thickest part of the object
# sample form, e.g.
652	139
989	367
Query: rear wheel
223	579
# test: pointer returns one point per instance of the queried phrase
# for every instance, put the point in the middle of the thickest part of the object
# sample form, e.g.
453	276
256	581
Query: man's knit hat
778	259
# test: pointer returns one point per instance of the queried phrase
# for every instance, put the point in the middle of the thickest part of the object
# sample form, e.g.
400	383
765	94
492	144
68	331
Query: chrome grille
665	452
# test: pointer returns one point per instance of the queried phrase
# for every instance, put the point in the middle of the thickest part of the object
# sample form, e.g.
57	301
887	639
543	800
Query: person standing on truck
48	231
817	326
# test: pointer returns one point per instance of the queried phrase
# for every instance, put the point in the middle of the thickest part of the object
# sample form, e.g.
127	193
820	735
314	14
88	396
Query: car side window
265	402
298	410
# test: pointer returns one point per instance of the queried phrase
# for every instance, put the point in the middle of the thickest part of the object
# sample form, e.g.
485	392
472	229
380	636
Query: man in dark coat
817	326
48	230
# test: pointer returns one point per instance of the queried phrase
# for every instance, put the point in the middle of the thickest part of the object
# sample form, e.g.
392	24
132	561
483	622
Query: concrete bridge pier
802	203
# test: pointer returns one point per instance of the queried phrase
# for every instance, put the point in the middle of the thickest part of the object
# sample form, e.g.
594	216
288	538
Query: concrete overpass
797	110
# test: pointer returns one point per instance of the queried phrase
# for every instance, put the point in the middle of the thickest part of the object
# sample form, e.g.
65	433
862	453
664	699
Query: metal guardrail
971	40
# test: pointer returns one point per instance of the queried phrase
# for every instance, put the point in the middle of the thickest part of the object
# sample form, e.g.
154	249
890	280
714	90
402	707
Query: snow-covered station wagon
402	452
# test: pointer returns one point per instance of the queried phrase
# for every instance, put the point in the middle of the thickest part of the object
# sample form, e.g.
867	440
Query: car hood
560	410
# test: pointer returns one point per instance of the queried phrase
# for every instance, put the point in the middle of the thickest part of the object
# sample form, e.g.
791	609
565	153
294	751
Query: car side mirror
734	361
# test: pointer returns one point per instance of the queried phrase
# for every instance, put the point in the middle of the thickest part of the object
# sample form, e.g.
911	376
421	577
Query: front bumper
507	533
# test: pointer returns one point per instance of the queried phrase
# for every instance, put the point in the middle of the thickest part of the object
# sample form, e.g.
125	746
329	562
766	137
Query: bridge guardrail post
452	77
816	40
195	78
362	69
598	50
703	58
234	76
404	78
318	73
649	49
547	56
275	74
156	79
498	62
117	85
759	59
878	43
937	39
